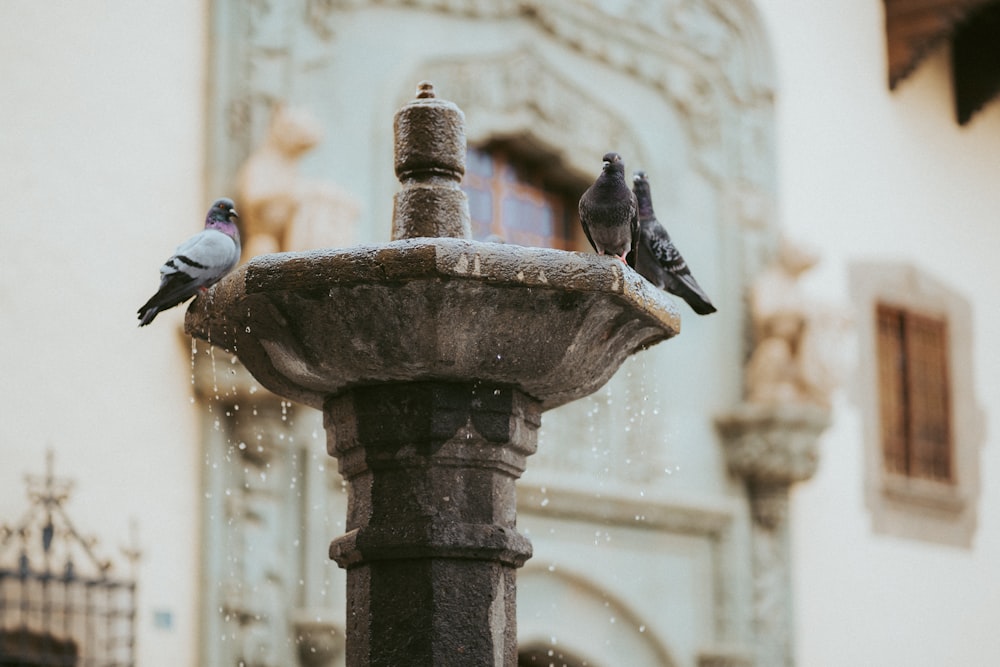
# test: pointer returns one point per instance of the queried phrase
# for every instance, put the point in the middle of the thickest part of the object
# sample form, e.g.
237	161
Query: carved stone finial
425	89
430	163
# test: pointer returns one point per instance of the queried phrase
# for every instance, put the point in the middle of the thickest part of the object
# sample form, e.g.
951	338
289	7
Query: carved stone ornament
773	444
521	87
705	58
283	210
796	341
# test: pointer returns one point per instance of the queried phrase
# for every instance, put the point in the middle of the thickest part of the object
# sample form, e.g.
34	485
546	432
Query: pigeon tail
688	289
147	315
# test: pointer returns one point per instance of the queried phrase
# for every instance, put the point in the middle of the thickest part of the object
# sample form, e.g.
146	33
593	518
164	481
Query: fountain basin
553	324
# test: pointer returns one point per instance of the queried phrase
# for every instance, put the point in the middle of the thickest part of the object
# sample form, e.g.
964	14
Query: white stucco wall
101	171
866	173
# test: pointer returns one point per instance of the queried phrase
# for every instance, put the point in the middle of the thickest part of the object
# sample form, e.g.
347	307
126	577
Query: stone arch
602	626
518	95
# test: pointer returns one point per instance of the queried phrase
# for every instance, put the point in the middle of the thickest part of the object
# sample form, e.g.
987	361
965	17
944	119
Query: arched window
520	200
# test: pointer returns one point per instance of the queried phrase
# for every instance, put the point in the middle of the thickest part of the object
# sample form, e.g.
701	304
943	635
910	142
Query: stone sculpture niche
432	358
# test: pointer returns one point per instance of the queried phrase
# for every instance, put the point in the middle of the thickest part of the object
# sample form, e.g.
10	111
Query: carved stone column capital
772	444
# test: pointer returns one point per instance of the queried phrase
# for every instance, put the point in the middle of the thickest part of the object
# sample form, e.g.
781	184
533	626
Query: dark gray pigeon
657	258
608	212
198	263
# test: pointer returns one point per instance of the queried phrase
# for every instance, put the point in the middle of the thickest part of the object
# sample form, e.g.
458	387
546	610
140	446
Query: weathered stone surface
429	158
431	549
554	324
432	359
772	447
773	444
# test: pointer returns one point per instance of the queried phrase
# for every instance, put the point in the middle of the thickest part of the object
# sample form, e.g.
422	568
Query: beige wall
869	174
101	123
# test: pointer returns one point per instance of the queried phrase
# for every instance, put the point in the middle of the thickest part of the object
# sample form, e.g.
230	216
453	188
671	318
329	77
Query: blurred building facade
753	120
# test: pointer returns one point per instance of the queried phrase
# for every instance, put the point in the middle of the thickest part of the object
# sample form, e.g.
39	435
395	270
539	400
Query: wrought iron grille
60	605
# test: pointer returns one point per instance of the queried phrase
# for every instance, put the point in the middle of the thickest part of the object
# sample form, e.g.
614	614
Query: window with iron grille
914	394
923	426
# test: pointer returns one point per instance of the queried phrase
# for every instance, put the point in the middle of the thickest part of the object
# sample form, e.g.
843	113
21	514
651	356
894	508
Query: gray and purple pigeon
658	260
609	213
198	263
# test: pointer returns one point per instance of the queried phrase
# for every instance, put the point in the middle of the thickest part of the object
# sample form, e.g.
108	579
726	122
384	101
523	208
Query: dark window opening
520	200
914	394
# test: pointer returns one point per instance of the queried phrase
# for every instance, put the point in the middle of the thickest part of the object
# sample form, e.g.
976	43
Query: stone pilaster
771	448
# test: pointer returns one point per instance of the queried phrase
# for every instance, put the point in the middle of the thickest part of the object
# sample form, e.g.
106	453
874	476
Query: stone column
431	549
771	448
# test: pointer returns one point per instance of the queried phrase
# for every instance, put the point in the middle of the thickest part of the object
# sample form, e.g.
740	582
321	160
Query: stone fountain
432	358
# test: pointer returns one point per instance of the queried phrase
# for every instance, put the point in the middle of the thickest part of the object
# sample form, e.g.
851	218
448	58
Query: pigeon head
613	163
222	215
640	186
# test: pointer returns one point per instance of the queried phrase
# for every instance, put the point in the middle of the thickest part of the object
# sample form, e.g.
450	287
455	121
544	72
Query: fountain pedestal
432	359
431	467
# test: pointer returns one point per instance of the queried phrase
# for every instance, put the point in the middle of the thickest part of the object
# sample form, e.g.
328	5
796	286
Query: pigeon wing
633	255
677	275
198	262
205	257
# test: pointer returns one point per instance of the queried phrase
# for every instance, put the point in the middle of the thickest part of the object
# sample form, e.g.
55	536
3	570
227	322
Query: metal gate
60	604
